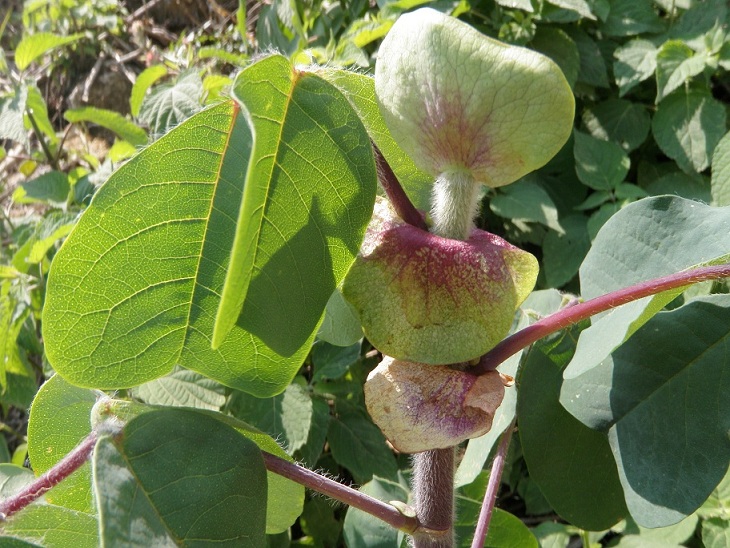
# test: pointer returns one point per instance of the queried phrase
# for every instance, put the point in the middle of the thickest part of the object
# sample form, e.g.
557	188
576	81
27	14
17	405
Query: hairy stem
495	480
396	195
574	314
63	469
433	494
386	512
455	201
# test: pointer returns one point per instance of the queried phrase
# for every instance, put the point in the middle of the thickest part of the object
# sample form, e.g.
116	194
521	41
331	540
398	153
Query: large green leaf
662	397
59	420
179	477
571	463
647	239
311	193
136	287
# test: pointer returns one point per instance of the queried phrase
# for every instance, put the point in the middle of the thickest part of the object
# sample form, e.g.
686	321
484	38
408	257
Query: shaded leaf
662	399
618	120
177	477
693	187
601	165
182	388
560	47
358	445
563	253
631	17
363	530
341	324
568	480
635	62
331	362
49	187
592	69
687	126
528	201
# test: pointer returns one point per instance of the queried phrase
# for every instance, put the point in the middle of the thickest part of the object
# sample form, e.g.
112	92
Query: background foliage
83	85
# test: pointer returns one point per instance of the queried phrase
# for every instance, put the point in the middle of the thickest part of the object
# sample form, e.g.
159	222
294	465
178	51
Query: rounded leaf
421	407
434	300
457	100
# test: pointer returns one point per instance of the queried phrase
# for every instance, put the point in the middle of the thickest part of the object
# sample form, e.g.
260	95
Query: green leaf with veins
143	272
448	117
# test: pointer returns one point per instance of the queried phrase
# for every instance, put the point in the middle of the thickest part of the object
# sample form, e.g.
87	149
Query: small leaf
358	445
36	106
564	252
560	47
13	478
581	7
53	527
12	125
592	65
687	126
620	121
34	45
721	172
180	477
363	530
110	120
49	187
668	369
341	325
331	362
676	63
526	200
169	104
631	17
601	165
145	80
59	420
635	62
182	388
716	533
287	416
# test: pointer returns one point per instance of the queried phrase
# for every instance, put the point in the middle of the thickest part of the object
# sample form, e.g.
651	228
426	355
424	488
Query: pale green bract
456	100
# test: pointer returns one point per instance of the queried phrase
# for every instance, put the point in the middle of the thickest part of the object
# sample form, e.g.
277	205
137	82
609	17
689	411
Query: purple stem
63	469
495	480
397	196
386	512
573	314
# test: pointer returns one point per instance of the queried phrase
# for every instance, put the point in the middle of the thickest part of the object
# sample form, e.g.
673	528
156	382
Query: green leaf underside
686	233
581	483
178	477
671	372
310	195
59	420
143	271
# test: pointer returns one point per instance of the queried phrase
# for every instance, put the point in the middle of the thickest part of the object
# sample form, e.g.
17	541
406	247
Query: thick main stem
455	202
433	494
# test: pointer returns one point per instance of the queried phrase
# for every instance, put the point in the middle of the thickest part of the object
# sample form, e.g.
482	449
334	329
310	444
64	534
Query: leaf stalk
574	314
